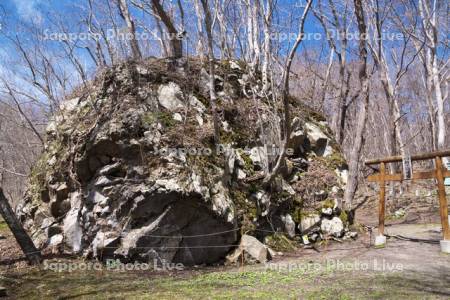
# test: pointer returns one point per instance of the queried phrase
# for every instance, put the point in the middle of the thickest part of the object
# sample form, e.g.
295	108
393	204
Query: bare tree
125	14
398	66
285	95
428	11
336	26
175	38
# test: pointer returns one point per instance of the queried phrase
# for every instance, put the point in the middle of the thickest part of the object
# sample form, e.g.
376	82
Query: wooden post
26	244
442	199
382	199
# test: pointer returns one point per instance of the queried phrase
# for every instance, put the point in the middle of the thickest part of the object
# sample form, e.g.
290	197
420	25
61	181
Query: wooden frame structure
439	173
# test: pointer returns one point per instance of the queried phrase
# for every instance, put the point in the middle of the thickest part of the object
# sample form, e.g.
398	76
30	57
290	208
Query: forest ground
348	270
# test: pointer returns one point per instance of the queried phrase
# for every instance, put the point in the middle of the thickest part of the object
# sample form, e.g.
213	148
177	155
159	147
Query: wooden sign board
407	167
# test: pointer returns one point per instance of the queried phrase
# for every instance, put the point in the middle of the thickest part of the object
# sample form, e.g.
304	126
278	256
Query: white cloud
28	10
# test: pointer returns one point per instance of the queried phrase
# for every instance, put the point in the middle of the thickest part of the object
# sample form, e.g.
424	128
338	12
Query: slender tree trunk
125	13
212	90
431	114
267	44
440	107
26	244
200	48
255	37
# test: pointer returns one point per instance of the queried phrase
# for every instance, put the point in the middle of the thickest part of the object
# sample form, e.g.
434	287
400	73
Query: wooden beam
382	204
399	177
421	156
442	199
26	244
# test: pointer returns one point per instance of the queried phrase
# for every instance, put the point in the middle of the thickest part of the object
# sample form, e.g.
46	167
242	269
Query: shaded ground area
350	270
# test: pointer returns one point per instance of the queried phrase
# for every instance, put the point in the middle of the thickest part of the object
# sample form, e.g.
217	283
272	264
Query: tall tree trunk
26	244
356	150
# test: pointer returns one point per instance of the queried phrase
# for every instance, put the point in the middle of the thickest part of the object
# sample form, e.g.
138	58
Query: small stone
234	65
400	213
2	237
97	198
251	246
307	222
257	155
199	120
52	161
102	181
226	126
109	169
56	240
106	210
317	139
177	117
335	190
313	237
289	225
241	174
350	235
141	70
333	227
305	239
196	104
169	96
327	211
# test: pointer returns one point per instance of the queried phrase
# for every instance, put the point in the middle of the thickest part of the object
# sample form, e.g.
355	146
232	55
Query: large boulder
125	174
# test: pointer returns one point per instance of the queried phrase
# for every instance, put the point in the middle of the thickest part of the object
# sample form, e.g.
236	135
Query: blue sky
38	11
35	11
